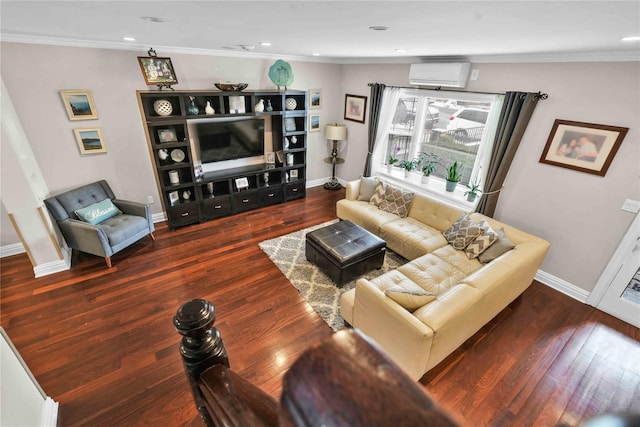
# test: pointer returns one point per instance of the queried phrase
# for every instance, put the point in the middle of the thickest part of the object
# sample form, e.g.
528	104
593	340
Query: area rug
287	253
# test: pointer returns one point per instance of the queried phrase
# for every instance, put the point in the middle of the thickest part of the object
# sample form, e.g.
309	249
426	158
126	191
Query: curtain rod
540	95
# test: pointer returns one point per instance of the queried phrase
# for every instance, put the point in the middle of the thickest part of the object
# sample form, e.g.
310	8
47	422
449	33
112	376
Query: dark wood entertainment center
188	198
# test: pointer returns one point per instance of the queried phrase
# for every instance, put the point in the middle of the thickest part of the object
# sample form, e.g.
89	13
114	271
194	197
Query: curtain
377	91
384	118
516	112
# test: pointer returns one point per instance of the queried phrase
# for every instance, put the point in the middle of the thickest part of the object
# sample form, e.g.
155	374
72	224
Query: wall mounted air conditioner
447	74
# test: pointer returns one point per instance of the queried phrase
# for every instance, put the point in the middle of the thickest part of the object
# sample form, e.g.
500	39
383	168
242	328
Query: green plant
453	173
410	165
393	160
429	163
473	189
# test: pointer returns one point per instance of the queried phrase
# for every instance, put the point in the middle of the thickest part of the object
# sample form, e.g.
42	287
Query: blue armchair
92	220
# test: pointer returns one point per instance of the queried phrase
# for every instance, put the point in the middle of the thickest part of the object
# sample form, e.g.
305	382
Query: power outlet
150	200
632	206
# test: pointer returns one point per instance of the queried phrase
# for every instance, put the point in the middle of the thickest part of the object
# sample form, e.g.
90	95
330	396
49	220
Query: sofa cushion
462	232
98	212
364	214
502	245
432	274
411	238
409	295
433	213
367	188
481	243
396	201
378	195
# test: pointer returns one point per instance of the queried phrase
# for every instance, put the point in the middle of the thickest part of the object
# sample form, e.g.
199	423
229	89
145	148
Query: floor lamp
334	132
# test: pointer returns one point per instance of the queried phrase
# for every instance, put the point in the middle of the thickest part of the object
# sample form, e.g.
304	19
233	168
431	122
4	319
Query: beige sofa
467	292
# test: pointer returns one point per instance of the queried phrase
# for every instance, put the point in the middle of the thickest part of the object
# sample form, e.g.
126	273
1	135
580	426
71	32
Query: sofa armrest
353	190
405	339
135	208
85	237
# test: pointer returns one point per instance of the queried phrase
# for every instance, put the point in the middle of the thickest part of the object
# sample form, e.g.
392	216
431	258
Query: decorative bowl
231	87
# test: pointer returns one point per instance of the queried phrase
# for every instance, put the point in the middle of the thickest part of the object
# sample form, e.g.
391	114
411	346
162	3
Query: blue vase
193	109
451	185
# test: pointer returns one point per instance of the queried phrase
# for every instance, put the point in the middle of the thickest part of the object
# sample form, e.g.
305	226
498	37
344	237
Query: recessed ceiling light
265	43
152	19
128	39
401	50
378	28
315	54
630	39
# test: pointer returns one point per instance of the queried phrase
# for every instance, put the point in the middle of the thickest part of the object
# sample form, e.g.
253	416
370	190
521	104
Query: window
454	126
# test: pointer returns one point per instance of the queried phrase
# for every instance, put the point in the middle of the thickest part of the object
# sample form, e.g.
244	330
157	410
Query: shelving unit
187	199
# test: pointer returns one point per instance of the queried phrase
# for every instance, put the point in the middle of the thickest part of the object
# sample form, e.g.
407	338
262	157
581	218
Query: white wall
578	213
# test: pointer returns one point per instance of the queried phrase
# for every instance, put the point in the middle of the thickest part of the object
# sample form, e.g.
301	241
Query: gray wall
577	212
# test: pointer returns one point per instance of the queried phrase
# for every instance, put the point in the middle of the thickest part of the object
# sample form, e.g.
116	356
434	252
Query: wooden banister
344	380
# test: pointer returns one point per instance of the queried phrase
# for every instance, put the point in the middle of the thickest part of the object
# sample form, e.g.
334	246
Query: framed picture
315	99
236	105
293	174
157	71
174	198
167	135
242	183
314	123
290	124
270	157
585	147
90	141
280	156
355	107
79	104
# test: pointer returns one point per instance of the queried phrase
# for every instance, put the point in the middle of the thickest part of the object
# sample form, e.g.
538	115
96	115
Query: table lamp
334	132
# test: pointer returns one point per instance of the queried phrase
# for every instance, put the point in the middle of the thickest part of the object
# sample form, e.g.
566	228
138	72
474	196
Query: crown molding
540	57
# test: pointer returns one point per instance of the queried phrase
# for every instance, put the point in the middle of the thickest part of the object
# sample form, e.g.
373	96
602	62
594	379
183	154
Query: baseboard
158	217
13	249
50	413
562	286
54	266
322	181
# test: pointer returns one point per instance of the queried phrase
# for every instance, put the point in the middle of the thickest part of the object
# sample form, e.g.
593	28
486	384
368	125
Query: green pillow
98	212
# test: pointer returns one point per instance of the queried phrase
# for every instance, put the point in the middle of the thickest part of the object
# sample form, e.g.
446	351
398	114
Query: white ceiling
339	30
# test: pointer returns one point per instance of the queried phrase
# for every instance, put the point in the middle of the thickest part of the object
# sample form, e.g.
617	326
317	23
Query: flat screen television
231	138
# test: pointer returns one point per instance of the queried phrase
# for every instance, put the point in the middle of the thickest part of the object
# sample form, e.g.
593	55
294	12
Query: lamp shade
335	131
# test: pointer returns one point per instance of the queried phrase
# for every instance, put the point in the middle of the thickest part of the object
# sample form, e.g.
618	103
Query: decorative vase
163	107
174	177
425	179
406	174
451	186
294	140
389	168
290	104
286	143
269	106
186	194
471	198
193	108
259	107
208	109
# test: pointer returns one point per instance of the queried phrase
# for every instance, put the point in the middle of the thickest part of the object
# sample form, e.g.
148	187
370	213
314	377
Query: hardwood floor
101	341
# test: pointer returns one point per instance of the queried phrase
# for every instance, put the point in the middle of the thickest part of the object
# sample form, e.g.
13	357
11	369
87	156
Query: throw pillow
367	188
396	201
462	232
378	195
481	243
409	295
501	246
98	212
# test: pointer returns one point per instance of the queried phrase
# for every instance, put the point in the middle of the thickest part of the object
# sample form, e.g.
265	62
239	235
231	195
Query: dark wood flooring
101	341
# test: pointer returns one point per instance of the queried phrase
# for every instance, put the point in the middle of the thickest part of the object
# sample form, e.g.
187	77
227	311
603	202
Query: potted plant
409	165
429	163
392	161
453	176
473	190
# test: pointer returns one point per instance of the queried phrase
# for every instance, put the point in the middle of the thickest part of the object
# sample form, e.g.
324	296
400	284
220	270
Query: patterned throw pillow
462	232
481	243
396	201
378	195
409	295
501	246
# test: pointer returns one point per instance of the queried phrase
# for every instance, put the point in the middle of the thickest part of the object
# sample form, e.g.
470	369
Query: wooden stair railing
344	380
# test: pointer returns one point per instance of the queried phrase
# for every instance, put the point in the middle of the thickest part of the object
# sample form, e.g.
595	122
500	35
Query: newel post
201	346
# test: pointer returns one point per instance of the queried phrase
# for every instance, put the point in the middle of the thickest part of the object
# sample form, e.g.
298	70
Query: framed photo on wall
79	104
355	107
585	147
90	141
315	99
314	122
157	71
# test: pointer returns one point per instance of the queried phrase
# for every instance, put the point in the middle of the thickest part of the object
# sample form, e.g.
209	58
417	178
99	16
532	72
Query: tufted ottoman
344	251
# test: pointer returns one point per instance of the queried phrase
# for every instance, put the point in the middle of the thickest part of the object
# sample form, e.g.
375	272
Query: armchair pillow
98	212
501	246
481	243
367	188
462	232
396	201
378	195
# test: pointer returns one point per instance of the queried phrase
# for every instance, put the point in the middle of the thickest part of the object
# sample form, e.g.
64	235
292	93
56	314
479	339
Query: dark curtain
375	104
516	113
